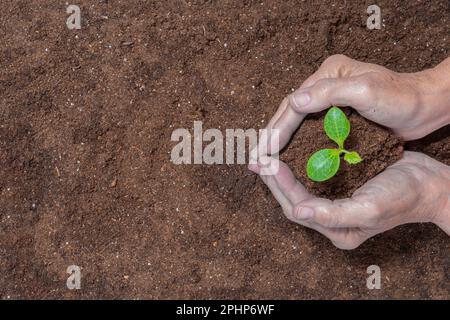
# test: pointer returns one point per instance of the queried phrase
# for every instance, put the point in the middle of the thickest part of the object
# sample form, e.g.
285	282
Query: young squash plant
325	163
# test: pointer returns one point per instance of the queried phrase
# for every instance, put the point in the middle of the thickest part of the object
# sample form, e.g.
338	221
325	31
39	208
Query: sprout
324	164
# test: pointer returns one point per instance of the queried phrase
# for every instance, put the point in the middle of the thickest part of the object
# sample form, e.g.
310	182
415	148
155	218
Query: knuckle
327	220
288	213
371	211
366	85
296	208
322	86
347	244
375	214
336	59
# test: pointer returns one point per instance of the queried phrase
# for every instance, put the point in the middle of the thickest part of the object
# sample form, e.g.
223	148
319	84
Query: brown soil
378	148
85	124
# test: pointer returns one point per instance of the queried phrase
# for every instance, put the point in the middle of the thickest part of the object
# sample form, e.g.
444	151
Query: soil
85	123
377	146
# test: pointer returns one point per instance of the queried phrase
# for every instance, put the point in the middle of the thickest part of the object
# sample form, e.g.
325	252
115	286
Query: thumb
345	213
359	92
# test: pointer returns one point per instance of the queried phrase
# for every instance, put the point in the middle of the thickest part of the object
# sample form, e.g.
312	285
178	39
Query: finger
336	66
277	193
266	145
280	129
319	96
286	125
293	190
283	106
287	207
346	213
288	116
284	187
286	120
358	92
287	191
348	238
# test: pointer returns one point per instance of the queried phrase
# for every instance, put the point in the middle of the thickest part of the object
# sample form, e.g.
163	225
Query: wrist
442	216
434	97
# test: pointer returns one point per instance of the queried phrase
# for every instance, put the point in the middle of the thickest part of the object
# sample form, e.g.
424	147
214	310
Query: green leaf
337	126
323	164
352	157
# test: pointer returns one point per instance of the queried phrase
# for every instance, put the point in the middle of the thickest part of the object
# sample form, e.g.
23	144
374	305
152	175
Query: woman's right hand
411	104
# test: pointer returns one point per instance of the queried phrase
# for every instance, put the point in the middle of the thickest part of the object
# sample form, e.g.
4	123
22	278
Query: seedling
324	164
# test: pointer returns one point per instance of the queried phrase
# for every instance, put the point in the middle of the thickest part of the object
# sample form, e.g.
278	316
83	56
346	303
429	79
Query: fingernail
300	100
304	213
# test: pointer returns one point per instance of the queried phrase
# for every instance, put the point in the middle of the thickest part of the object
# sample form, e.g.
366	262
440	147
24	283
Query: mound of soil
377	146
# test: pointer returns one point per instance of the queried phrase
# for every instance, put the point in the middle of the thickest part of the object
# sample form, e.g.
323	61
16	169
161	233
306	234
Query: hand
411	104
415	189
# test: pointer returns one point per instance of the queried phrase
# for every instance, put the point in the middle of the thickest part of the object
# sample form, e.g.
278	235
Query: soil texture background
86	118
